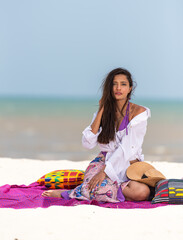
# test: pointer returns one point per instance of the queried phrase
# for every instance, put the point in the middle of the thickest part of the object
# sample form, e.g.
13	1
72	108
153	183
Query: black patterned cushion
169	190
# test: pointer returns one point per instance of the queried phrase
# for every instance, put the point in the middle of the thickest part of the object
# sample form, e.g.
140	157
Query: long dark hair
108	101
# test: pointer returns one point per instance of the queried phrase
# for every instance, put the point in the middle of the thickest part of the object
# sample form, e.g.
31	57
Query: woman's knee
138	191
143	193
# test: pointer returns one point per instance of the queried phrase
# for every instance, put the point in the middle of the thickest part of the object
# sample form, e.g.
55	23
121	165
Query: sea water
51	128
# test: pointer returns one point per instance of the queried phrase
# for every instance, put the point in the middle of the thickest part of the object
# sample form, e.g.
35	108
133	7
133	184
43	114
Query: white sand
84	222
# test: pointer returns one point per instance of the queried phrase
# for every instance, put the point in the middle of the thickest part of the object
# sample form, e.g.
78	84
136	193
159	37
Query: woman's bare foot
52	193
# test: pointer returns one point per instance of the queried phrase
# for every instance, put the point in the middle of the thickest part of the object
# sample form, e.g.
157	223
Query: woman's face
121	87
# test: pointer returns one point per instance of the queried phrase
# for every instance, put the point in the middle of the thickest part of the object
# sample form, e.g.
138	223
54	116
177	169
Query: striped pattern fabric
176	190
170	191
65	179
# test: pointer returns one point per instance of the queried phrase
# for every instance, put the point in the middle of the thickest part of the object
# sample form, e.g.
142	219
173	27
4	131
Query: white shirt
123	149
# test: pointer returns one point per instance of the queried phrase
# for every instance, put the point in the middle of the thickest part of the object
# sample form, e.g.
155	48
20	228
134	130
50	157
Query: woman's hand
97	179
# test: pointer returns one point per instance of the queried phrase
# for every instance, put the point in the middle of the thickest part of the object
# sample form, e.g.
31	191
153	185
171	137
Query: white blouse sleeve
89	139
119	160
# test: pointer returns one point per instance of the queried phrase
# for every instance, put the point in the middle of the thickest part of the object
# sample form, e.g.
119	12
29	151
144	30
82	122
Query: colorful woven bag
65	179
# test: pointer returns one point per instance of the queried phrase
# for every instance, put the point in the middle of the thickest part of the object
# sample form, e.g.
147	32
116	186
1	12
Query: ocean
51	128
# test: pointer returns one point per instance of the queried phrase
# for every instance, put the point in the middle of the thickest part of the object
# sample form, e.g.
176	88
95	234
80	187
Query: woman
118	127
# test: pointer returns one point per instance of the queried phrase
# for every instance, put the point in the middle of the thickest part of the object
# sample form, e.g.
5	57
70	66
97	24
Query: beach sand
84	222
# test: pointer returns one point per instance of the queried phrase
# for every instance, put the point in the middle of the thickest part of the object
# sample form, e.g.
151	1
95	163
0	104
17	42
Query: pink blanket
21	196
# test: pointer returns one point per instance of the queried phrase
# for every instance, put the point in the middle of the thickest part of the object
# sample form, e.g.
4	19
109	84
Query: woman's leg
91	170
53	193
81	191
136	191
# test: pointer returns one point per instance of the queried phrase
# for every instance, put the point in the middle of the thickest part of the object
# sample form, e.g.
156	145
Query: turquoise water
27	106
21	106
50	128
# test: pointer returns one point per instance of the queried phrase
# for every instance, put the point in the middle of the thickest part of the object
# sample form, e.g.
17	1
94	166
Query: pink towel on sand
21	196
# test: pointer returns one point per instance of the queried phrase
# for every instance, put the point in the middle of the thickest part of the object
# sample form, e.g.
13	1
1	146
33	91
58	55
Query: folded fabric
170	191
22	196
65	179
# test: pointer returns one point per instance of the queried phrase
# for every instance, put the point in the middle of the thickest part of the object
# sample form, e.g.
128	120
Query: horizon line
76	97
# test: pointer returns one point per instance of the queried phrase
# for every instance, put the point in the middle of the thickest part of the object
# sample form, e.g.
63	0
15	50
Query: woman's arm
96	124
90	134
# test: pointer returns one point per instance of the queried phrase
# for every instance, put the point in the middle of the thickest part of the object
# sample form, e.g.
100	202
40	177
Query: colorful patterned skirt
109	191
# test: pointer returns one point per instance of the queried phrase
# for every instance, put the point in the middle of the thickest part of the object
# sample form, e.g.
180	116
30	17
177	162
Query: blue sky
65	48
